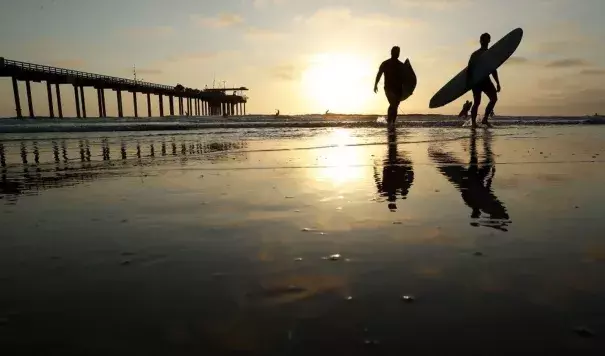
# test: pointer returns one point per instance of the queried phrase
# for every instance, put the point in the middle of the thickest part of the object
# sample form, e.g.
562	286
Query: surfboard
409	80
489	61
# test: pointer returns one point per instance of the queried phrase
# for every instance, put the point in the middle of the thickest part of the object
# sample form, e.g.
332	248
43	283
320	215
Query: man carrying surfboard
485	86
396	75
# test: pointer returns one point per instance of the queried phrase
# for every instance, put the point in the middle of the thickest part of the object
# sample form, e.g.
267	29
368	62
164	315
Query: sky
314	55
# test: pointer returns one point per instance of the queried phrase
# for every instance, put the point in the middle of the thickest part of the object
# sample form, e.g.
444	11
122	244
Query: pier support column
171	104
30	103
148	105
103	102
51	109
83	102
119	95
134	103
17	99
59	105
77	98
161	102
244	108
100	104
180	106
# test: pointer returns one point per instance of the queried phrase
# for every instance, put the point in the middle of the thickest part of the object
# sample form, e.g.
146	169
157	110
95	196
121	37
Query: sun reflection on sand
340	164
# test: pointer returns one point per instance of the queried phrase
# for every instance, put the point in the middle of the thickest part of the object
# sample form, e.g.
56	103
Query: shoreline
11	126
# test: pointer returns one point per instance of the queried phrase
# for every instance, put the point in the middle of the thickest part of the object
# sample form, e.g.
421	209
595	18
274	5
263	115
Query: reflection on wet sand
54	164
397	173
475	182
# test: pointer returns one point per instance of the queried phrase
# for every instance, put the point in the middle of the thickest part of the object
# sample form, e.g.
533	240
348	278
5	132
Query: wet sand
303	242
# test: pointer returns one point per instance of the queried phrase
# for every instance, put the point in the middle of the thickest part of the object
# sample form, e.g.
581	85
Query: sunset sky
313	55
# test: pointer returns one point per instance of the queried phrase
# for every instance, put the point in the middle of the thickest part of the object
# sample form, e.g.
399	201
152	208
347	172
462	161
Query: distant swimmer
393	70
465	108
485	86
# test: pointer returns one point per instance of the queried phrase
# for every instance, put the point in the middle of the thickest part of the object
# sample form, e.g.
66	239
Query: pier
190	102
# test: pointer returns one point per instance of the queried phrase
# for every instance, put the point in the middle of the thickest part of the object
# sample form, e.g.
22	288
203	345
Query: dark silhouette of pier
191	102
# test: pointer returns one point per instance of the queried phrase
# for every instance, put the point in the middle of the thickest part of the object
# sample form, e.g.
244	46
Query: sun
337	82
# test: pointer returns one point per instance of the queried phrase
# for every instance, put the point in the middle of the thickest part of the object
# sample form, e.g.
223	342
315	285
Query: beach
300	239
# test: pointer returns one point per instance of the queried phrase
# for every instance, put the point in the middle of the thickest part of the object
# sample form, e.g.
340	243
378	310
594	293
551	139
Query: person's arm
378	76
495	75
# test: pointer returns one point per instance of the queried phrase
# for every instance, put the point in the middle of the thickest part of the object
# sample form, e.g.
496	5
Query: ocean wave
255	121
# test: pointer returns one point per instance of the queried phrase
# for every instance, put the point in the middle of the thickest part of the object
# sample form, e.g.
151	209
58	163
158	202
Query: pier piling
148	105
134	103
99	103
83	101
51	109
77	99
30	103
17	100
103	101
119	97
59	104
161	105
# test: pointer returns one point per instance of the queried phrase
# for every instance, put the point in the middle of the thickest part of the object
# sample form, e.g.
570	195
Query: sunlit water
214	242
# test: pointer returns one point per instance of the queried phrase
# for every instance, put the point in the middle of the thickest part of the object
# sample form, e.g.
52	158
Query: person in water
465	108
392	69
485	86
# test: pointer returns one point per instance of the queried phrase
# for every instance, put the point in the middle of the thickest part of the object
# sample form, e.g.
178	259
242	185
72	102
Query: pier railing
43	69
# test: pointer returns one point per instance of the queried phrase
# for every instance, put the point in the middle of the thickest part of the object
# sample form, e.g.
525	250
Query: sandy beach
303	241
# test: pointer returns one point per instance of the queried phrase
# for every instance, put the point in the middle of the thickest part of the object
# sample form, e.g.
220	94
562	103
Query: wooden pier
191	102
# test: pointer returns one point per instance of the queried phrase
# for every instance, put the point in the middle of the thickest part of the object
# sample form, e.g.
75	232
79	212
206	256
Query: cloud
74	63
286	72
518	61
593	72
433	4
154	31
219	21
343	17
567	63
264	3
255	33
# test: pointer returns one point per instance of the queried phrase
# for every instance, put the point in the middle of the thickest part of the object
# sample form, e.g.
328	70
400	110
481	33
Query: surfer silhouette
393	70
484	86
465	108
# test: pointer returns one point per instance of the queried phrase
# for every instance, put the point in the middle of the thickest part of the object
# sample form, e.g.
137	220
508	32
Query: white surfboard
489	61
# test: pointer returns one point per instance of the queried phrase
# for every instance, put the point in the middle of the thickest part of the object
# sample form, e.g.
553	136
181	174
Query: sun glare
337	82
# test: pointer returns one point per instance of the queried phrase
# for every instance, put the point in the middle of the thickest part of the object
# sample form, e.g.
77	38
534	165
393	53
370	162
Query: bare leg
476	103
393	99
492	94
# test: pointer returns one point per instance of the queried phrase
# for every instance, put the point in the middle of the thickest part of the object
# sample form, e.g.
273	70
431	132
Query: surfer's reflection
475	182
397	173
